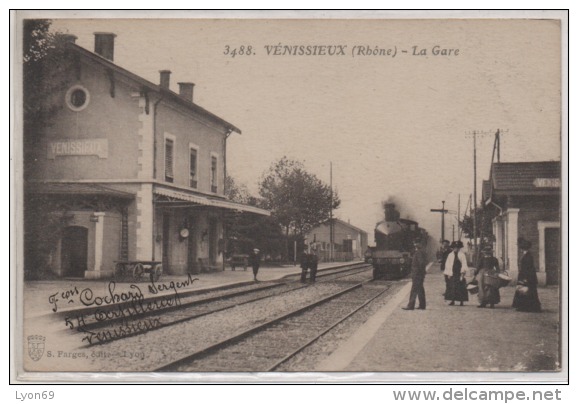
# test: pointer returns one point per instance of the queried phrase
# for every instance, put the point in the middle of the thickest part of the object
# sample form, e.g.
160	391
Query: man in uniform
255	261
304	265
445	251
418	264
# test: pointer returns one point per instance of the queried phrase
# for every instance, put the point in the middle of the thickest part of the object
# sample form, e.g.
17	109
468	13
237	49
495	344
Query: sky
392	127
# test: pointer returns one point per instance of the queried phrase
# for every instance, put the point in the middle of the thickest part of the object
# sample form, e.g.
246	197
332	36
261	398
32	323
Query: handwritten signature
88	298
127	306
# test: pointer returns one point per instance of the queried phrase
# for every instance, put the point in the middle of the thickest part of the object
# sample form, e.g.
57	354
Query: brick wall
528	224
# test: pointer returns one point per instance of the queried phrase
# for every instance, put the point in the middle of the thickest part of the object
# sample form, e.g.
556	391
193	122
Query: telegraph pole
459	210
443	211
475	204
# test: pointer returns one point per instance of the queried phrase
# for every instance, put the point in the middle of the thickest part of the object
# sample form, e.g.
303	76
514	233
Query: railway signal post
443	211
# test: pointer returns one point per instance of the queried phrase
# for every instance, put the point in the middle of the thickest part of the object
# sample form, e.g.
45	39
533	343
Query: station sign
78	147
547	182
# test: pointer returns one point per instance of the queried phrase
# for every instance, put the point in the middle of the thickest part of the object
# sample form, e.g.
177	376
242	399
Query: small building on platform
524	198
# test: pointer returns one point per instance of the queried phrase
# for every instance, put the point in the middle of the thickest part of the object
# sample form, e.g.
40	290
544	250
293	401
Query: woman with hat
456	267
488	265
526	296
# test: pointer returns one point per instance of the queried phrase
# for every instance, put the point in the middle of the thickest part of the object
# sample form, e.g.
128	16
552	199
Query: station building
126	170
525	200
349	242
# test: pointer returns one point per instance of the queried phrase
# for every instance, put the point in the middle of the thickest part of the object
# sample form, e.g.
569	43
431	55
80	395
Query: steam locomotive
391	256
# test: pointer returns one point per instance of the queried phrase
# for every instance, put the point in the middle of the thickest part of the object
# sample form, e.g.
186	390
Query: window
192	166
213	174
169	159
77	98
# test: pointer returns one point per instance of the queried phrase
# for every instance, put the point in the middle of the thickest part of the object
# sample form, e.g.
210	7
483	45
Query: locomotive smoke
397	202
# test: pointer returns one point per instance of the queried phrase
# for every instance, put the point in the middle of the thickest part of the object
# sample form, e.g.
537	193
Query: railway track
121	321
268	345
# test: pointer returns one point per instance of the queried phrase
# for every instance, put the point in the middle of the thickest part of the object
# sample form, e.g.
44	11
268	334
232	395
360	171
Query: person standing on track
313	260
304	265
255	261
418	265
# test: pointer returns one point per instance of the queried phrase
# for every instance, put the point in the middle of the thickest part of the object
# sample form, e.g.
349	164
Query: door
552	255
74	251
213	240
347	245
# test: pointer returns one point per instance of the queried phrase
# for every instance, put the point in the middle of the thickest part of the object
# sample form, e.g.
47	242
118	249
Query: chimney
165	78
104	44
186	91
391	214
68	38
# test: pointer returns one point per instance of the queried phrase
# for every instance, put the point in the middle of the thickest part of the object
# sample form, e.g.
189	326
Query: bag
473	287
492	280
504	279
522	290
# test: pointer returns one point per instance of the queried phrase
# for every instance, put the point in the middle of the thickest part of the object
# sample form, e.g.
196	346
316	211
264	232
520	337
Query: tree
484	226
45	64
299	200
246	231
236	192
44	72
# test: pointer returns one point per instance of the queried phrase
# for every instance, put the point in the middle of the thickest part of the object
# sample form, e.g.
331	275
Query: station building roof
522	178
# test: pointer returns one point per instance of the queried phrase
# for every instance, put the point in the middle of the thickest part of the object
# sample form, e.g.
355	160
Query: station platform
456	338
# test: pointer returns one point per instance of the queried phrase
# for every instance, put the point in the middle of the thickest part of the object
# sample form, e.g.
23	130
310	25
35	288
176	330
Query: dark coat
527	271
418	264
445	254
456	289
490	263
527	276
313	260
488	294
254	259
304	261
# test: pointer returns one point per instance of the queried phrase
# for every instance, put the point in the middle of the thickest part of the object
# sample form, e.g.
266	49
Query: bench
205	265
240	260
136	269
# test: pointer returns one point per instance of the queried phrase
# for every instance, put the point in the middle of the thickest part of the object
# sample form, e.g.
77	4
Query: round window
77	98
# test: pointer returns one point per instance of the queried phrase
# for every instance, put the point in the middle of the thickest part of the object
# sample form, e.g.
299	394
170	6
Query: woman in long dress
527	300
488	265
456	267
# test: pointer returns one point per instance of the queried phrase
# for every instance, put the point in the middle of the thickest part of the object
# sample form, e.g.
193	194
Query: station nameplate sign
78	147
547	182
